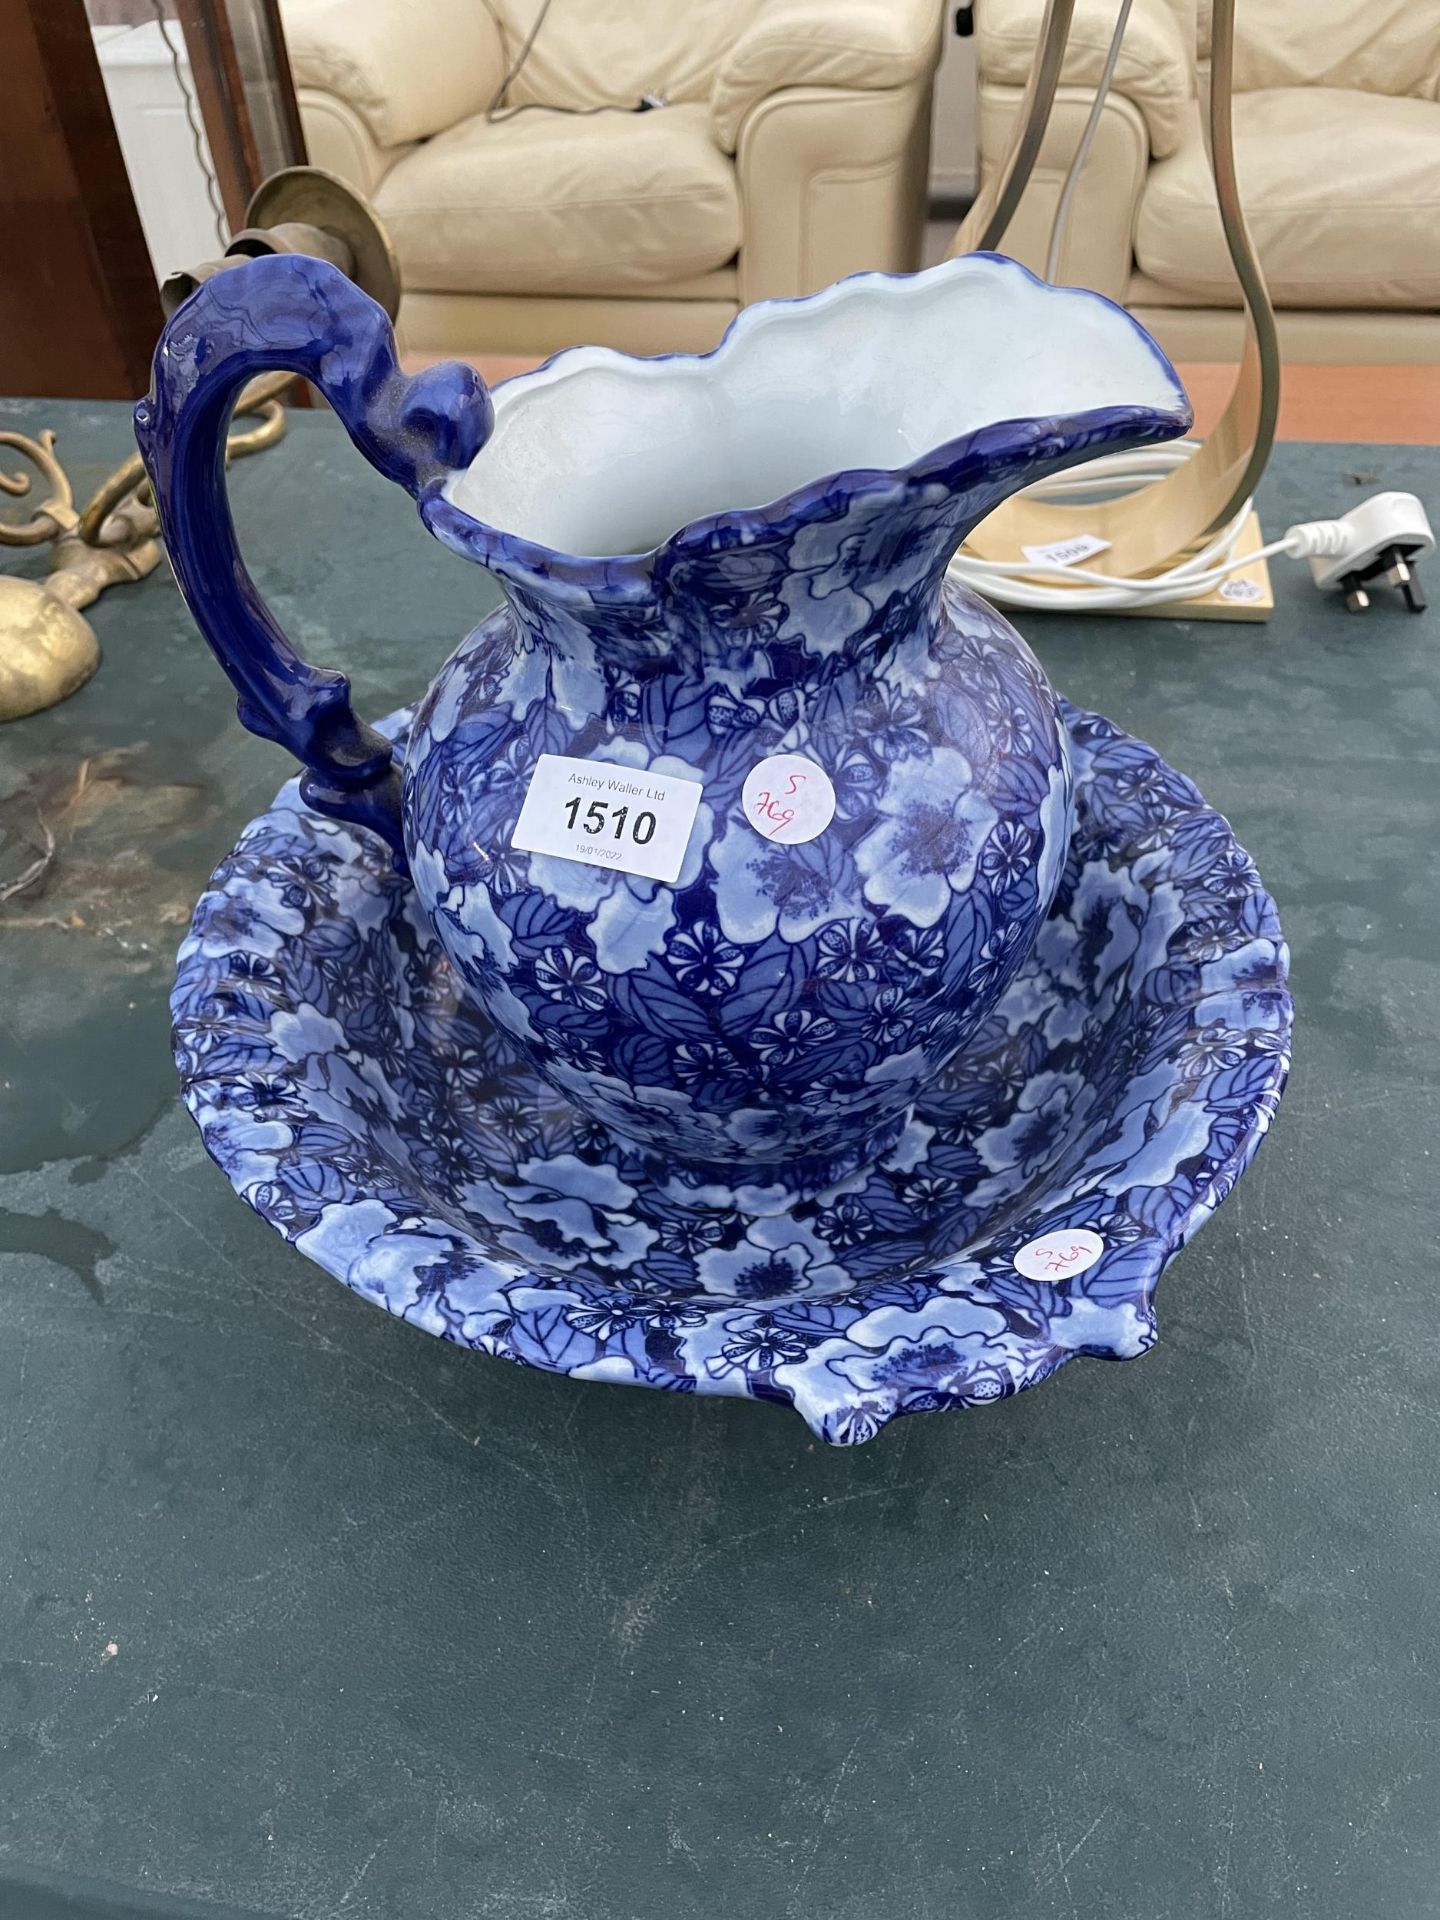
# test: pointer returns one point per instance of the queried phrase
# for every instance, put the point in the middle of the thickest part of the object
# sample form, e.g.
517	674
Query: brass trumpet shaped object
47	650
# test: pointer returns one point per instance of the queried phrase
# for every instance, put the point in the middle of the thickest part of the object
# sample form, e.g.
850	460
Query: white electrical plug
1375	544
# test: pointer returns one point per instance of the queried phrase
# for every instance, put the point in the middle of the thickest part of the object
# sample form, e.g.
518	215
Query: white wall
165	176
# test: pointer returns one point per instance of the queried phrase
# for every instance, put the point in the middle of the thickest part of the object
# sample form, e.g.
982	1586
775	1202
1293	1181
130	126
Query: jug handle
290	312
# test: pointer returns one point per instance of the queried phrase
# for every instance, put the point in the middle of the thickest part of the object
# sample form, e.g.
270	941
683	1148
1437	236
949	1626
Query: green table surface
303	1613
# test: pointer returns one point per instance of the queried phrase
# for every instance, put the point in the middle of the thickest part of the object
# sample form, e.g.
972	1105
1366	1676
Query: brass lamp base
1147	530
1246	595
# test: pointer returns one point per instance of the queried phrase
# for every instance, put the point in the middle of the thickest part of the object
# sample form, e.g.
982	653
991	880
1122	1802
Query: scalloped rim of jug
964	457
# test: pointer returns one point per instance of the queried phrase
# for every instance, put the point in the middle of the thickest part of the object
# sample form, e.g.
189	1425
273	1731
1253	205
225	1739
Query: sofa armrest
337	139
832	182
406	69
864	45
1156	69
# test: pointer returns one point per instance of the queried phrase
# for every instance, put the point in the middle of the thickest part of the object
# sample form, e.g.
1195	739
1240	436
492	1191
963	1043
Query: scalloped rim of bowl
1126	1274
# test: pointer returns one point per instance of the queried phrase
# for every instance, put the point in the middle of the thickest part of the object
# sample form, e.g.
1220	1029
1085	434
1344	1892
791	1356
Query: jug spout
881	419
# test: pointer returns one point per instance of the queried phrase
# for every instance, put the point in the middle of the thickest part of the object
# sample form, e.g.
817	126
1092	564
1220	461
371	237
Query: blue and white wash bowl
369	1109
738	818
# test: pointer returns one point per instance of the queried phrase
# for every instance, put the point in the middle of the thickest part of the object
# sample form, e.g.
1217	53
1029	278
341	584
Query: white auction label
1059	1256
608	816
788	798
1066	553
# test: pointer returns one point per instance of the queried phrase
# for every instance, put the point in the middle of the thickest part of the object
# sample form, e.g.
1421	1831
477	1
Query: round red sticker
788	798
1060	1255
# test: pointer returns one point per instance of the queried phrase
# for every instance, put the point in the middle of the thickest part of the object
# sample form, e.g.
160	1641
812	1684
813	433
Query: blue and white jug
738	816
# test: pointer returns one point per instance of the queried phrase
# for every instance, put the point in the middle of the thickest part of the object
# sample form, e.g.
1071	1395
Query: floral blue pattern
776	1012
1121	1083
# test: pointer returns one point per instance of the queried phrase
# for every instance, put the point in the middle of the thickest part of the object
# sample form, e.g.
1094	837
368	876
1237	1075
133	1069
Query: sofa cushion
1370	46
823	43
1341	193
1155	69
555	203
611	52
405	73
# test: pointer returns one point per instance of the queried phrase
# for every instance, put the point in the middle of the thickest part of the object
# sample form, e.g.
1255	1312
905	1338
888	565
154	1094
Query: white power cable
1085	589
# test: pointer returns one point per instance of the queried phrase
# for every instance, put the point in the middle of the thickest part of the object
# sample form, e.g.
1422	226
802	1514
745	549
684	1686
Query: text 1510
601	816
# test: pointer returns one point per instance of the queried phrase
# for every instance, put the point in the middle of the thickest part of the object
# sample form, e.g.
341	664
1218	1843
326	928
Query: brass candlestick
47	650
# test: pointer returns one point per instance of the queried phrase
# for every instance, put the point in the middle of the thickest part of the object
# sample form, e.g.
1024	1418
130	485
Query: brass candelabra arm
47	650
55	514
82	572
119	511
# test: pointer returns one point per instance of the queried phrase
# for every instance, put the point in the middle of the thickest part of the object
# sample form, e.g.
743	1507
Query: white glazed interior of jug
598	453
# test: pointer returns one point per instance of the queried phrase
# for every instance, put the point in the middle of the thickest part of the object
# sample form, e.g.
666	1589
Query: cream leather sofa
1337	146
792	150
